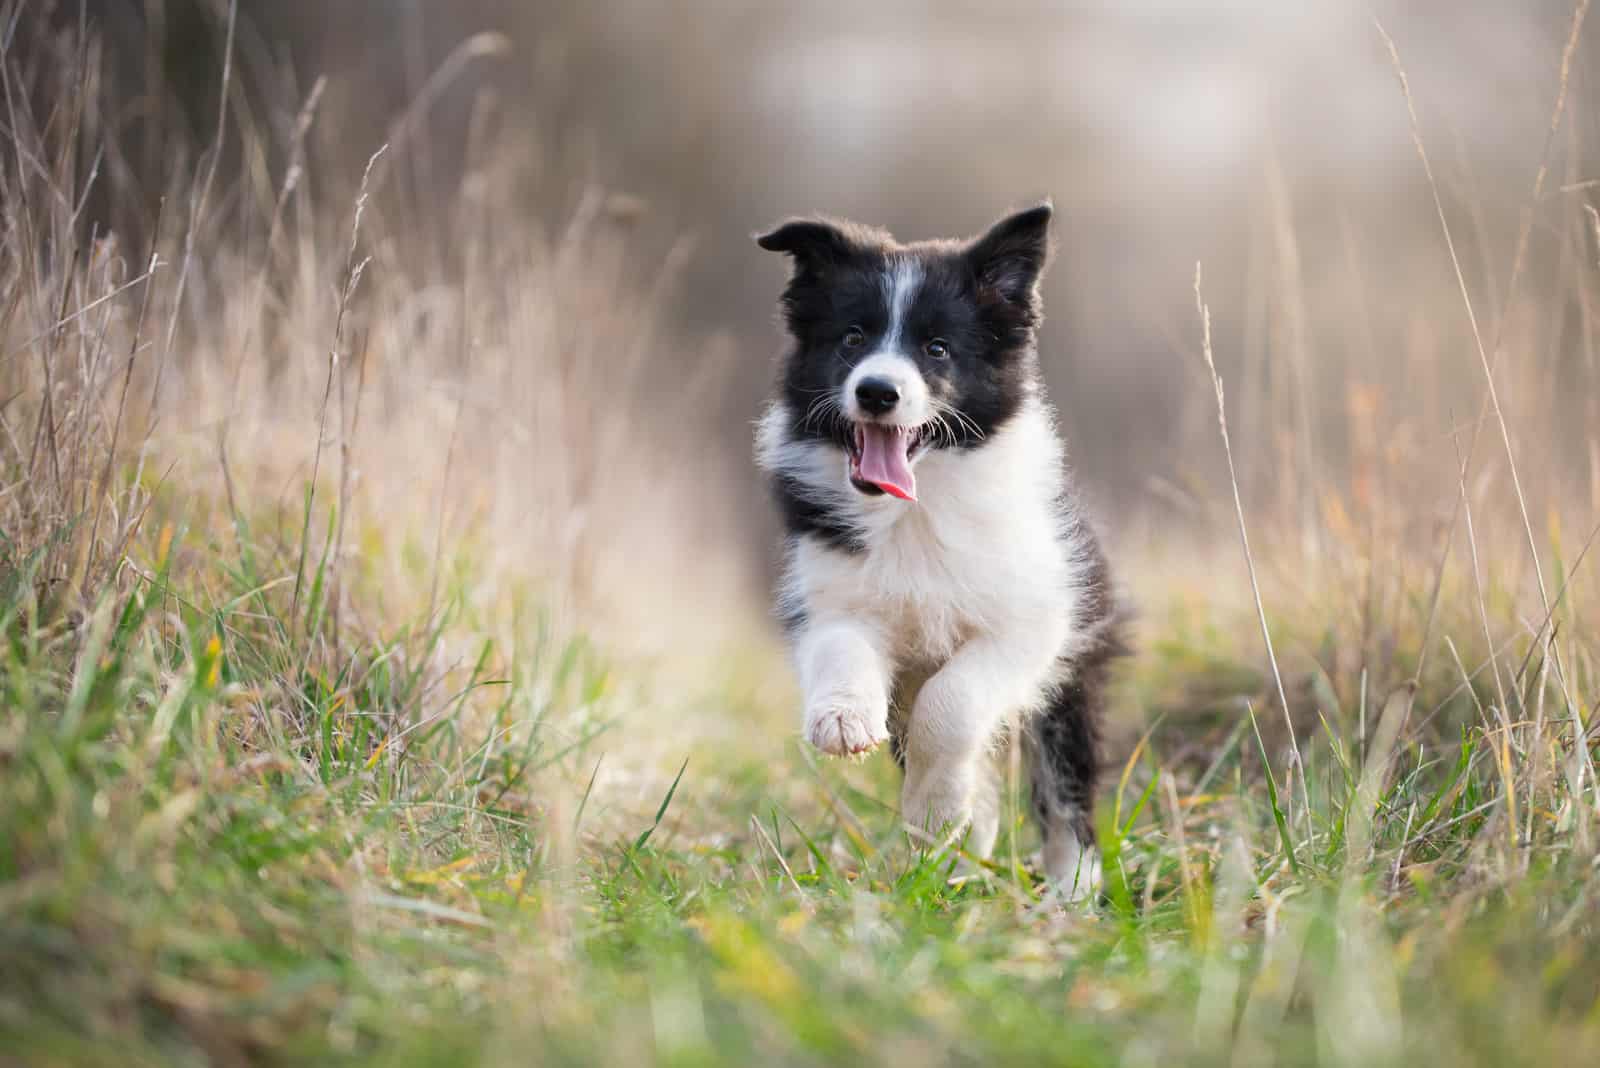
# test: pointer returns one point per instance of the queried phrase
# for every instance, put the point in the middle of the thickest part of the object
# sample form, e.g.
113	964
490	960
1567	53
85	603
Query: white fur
900	285
889	360
913	408
970	589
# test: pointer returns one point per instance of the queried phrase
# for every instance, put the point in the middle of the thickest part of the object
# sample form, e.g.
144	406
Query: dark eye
854	338
938	349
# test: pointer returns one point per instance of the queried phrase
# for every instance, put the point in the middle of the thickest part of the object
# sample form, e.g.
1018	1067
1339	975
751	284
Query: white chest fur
981	552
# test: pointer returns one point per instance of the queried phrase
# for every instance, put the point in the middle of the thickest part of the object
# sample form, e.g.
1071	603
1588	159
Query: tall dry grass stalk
1580	757
1298	767
507	385
1361	598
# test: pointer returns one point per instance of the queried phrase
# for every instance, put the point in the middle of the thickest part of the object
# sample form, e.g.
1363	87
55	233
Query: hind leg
1062	750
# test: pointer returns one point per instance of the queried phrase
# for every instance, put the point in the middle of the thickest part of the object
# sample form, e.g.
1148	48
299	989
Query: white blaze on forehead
900	285
890	360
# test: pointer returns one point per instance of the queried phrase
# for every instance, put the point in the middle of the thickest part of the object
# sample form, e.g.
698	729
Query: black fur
804	516
1062	742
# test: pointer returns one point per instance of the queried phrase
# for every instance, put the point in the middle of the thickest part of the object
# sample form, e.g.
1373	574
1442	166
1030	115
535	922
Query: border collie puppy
942	590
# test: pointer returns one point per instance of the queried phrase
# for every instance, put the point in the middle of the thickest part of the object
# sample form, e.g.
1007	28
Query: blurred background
1268	141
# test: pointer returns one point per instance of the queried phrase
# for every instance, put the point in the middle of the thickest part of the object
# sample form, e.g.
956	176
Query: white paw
843	729
941	807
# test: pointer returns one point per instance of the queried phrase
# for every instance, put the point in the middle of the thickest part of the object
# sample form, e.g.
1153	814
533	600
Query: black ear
814	243
1010	257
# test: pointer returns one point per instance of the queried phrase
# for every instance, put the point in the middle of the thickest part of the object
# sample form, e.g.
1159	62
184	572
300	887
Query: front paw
840	729
940	806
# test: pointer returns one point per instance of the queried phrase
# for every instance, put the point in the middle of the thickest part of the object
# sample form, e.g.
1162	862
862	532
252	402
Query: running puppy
942	590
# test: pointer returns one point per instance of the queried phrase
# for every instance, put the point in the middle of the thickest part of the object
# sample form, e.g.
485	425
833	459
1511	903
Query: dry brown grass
502	393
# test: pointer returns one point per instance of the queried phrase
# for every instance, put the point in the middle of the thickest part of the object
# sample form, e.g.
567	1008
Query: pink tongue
884	462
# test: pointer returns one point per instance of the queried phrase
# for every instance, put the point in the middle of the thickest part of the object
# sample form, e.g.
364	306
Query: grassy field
342	720
233	835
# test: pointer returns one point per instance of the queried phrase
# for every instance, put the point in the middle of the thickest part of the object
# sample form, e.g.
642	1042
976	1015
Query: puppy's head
900	350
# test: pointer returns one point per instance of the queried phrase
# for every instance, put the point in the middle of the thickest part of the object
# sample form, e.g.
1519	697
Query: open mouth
880	458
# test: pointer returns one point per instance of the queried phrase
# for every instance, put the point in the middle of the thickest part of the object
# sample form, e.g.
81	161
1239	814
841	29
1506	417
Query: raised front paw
841	729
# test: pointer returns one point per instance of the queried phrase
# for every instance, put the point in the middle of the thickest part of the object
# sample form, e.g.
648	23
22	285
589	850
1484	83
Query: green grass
228	834
274	791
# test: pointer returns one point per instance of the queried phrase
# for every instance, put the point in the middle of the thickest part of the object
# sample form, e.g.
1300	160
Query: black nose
877	395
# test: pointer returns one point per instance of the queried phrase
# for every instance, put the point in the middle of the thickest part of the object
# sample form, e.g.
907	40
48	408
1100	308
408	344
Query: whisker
819	408
965	421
